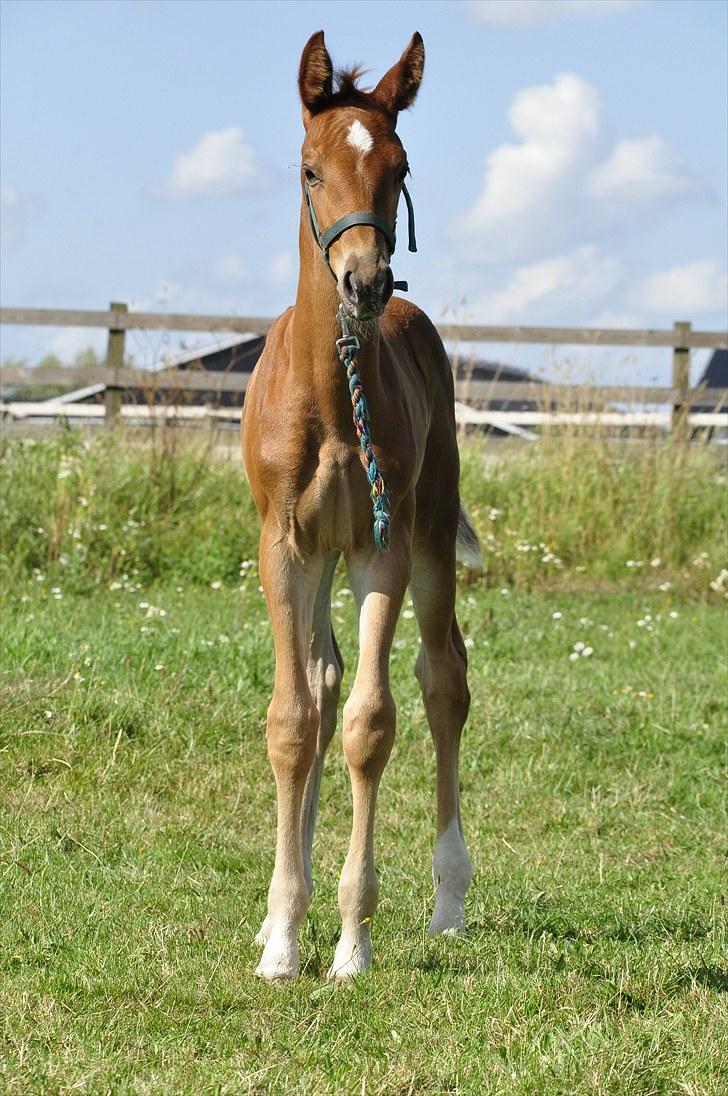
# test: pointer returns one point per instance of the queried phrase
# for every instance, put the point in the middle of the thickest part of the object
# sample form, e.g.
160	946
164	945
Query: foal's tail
467	547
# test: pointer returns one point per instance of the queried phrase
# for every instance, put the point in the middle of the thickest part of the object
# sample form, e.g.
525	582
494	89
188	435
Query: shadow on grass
563	928
710	977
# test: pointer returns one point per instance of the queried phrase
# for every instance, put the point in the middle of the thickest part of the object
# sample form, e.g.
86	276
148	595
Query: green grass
136	825
137	841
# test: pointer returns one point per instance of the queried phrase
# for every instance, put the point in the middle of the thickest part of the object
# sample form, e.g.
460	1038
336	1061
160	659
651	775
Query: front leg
324	671
369	727
290	588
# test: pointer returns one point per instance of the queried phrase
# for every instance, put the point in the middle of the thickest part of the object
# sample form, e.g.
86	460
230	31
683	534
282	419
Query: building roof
715	374
224	346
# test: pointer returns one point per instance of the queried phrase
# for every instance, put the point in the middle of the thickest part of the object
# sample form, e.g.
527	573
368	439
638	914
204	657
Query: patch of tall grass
117	508
606	508
123	508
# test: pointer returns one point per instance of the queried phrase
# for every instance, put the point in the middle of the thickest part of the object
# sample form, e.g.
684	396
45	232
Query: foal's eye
404	172
311	176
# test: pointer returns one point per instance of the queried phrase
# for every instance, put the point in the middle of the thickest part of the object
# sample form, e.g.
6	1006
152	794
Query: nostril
349	288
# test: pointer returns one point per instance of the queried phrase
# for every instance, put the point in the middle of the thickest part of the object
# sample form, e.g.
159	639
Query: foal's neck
315	329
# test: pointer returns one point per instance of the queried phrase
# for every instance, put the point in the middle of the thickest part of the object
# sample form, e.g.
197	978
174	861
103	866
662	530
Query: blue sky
568	159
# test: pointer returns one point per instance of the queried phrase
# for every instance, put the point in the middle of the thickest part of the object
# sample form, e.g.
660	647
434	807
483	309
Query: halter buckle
348	342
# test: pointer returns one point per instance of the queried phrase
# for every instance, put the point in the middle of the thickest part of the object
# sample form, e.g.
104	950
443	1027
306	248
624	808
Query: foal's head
352	161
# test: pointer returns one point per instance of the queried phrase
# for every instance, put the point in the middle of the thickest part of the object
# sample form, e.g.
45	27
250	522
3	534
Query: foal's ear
315	75
397	89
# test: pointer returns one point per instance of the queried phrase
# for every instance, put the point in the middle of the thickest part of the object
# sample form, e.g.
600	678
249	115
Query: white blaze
359	137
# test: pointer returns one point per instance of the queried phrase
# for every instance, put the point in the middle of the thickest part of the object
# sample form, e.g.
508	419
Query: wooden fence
117	320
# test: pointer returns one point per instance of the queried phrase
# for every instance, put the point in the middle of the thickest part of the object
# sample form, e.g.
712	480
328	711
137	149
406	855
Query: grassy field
136	833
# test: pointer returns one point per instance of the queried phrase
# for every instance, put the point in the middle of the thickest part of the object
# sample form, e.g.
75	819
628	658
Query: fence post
681	381
115	361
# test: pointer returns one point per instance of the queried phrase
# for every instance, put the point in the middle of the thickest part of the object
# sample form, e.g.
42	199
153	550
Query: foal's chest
334	508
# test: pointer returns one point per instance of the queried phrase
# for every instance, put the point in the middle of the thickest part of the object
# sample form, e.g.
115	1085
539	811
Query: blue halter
326	238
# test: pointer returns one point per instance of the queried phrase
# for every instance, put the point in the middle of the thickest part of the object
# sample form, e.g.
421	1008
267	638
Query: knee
461	697
369	727
291	732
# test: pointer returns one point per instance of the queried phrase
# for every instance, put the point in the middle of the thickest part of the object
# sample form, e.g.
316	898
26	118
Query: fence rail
116	378
118	318
515	423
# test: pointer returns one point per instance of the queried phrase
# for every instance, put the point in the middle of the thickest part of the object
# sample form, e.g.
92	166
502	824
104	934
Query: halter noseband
326	238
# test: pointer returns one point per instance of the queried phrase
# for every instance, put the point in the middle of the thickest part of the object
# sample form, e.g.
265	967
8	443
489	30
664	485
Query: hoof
279	961
278	970
448	918
448	930
350	960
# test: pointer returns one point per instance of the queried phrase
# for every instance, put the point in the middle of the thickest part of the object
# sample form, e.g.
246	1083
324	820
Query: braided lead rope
348	347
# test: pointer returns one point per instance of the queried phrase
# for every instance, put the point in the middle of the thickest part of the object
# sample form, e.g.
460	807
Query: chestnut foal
315	483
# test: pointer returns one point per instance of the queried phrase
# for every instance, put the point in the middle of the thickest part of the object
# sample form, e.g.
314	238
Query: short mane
347	91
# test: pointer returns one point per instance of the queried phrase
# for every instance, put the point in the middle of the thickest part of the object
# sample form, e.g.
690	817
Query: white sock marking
452	873
359	137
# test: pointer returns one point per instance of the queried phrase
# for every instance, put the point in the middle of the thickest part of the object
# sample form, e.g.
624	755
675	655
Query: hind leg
324	671
441	671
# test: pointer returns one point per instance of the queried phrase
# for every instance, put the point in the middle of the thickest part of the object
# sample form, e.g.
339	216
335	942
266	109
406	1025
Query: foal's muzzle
365	286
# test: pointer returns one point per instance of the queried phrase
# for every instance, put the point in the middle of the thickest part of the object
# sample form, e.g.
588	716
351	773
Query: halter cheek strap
360	217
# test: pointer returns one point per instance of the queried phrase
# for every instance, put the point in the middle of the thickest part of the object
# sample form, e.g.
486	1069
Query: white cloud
642	170
221	163
693	288
555	187
529	187
259	293
565	282
617	317
278	272
529	13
